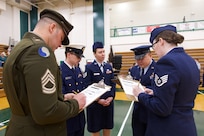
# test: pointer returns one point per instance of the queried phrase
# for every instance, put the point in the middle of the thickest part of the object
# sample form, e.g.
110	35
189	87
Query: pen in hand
139	82
74	92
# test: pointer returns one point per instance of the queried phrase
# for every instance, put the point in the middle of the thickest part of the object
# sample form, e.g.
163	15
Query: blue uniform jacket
146	79
176	81
140	112
73	82
98	116
94	75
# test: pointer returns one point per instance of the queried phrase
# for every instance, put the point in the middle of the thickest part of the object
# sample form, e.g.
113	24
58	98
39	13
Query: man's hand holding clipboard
128	84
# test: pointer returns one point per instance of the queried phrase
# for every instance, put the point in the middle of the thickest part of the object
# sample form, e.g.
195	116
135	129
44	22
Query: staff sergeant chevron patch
159	81
48	83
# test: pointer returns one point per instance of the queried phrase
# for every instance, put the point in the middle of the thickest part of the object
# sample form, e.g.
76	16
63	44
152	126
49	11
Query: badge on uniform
79	75
84	74
159	81
48	83
108	71
44	52
151	76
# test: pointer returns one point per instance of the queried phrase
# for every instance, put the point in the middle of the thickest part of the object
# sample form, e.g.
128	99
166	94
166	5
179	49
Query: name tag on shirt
67	78
96	74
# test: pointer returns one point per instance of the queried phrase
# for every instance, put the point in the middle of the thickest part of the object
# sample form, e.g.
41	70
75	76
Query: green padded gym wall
33	17
98	10
23	23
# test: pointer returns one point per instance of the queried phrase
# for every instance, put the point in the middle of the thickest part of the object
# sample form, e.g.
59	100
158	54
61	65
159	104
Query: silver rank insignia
159	81
84	75
48	83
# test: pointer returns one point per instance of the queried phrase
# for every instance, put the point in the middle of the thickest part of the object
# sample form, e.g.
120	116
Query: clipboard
94	91
116	80
127	85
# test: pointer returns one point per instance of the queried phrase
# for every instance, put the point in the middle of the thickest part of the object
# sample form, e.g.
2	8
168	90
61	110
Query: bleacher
2	93
128	59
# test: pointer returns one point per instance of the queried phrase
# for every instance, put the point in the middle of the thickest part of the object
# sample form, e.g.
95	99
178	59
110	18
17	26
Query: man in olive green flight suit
32	81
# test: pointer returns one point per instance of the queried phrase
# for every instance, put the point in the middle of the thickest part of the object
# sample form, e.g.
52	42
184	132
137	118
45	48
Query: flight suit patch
159	81
48	83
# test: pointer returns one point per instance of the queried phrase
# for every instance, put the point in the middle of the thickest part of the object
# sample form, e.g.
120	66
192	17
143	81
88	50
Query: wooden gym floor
121	108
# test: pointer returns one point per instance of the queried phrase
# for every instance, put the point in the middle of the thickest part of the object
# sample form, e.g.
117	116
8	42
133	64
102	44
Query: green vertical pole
98	10
33	17
23	23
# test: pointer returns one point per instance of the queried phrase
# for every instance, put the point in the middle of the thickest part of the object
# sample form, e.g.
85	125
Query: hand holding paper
68	96
128	85
149	91
93	92
137	90
81	99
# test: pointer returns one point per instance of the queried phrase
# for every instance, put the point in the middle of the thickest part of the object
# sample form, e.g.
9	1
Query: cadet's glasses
153	45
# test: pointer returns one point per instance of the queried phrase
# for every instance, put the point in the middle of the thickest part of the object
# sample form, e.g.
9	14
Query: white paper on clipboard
127	85
93	92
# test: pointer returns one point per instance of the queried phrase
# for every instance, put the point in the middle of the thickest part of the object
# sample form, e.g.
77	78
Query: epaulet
37	40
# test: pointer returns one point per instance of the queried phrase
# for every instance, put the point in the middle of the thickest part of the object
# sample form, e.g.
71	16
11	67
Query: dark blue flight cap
97	45
158	30
66	26
76	49
141	51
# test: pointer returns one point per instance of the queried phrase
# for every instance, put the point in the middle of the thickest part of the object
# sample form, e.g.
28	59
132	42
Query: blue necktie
142	72
73	70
